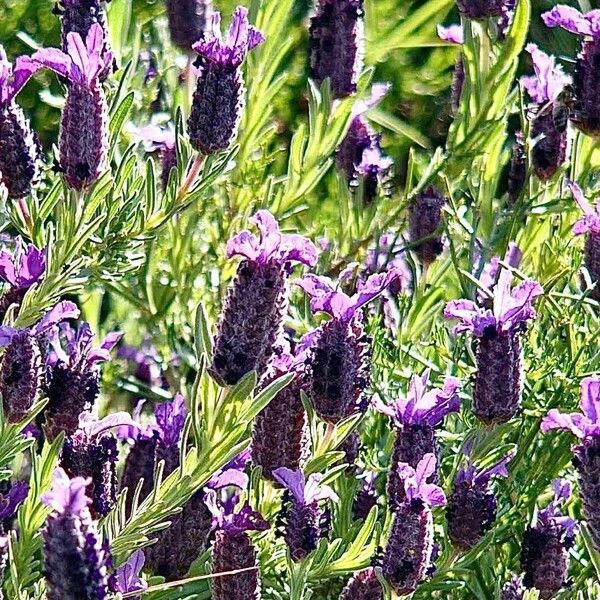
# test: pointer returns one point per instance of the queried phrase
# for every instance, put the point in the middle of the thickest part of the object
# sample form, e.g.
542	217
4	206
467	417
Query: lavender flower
188	21
233	550
589	226
480	10
424	222
415	419
253	312
586	79
21	371
91	452
18	150
162	141
338	355
498	380
12	495
517	171
366	496
302	513
126	578
219	97
279	433
513	589
471	509
455	35
84	123
75	559
544	556
336	44
20	270
72	376
550	138
139	464
363	586
586	427
407	556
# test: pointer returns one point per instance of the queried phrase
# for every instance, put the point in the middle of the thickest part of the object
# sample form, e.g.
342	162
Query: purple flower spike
302	514
127	577
19	153
425	221
67	495
252	316
219	97
453	34
188	21
480	10
170	418
363	586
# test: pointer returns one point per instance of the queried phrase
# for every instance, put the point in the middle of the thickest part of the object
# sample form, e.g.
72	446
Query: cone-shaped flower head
359	155
544	556
480	10
363	586
279	435
455	35
415	419
338	355
407	556
91	452
302	513
548	131
586	426
424	223
18	149
21	371
471	509
161	140
337	44
188	21
12	495
586	78
126	578
72	376
21	269
233	550
83	136
75	559
252	316
517	171
219	97
513	589
497	393
589	226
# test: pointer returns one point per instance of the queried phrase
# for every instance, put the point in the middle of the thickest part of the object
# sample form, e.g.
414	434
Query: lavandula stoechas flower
279	433
256	302
549	137
472	505
455	35
363	586
415	419
233	549
126	579
366	496
22	368
219	97
544	554
589	226
83	138
75	559
20	270
302	513
12	495
337	44
585	113
480	10
72	384
18	149
188	21
161	140
407	556
424	223
338	355
359	155
513	589
92	452
517	170
498	379
78	16
586	427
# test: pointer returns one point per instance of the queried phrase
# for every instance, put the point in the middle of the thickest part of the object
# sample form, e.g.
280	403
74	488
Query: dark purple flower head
325	297
304	491
241	38
586	425
271	246
24	267
67	495
234	523
415	482
127	577
552	514
572	20
188	20
13	79
10	501
482	477
423	407
549	79
453	34
170	419
590	223
510	307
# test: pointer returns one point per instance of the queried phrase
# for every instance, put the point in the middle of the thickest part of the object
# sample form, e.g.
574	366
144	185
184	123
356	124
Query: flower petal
568	18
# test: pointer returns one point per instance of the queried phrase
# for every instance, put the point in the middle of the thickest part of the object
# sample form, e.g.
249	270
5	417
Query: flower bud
425	220
363	586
